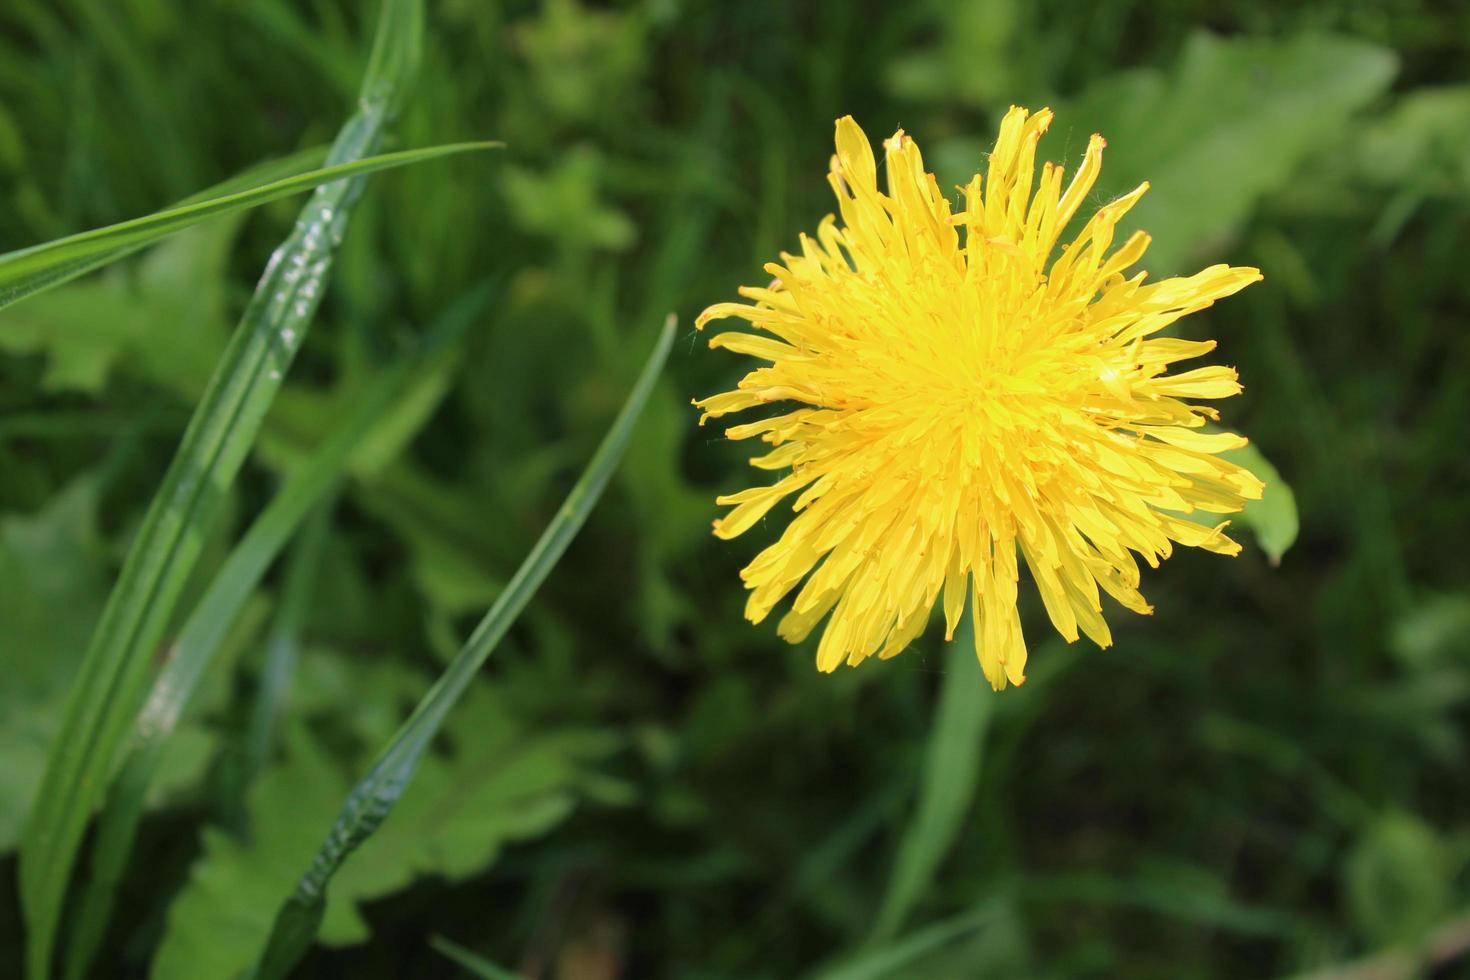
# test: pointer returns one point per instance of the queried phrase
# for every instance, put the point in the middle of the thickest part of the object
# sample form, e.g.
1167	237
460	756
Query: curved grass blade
31	270
205	630
373	798
111	683
470	961
888	960
951	773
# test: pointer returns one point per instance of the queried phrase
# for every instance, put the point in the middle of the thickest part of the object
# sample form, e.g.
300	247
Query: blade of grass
111	683
470	961
204	632
951	773
885	961
31	270
1197	904
373	798
283	648
150	100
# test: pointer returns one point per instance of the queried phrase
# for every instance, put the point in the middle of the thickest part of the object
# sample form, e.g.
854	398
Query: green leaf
1422	145
564	203
1418	151
443	538
951	774
1399	880
1273	518
503	785
216	921
1232	122
166	321
498	782
375	796
110	686
30	270
207	628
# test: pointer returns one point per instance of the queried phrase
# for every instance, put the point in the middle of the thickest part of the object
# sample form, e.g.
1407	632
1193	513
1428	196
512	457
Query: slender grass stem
373	798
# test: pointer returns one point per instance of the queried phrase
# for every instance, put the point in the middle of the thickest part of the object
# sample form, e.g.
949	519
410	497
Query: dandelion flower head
952	400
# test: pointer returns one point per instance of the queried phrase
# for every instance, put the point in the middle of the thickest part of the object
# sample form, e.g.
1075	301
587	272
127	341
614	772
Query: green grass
1264	778
40	267
373	798
108	693
203	634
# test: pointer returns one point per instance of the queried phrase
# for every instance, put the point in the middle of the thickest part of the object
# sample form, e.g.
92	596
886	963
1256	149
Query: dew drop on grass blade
111	683
28	271
205	630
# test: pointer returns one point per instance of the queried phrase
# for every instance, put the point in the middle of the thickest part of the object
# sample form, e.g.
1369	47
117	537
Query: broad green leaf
216	922
498	783
565	204
952	761
445	534
1273	518
110	686
503	786
1233	121
207	628
1422	144
30	270
1399	880
374	797
166	322
1418	151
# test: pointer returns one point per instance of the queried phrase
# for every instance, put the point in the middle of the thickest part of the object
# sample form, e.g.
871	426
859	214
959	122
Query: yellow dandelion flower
957	397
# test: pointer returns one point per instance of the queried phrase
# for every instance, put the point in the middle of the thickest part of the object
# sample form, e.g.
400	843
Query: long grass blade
887	960
471	961
111	683
282	650
373	798
31	270
204	632
951	773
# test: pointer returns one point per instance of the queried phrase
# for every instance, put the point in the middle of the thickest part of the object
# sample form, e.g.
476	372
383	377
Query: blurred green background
1267	777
